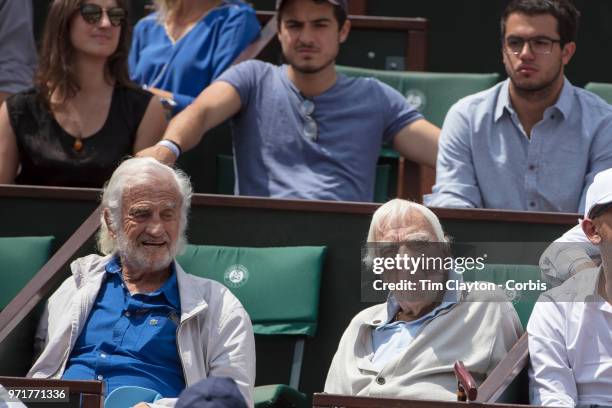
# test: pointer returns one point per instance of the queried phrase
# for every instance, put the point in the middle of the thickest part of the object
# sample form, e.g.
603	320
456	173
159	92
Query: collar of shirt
563	105
328	93
169	289
449	299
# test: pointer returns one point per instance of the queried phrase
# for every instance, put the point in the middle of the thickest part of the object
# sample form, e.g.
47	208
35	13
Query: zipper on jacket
178	346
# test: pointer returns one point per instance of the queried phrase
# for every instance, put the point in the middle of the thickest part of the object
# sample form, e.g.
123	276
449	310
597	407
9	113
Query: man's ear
568	52
590	230
345	30
109	224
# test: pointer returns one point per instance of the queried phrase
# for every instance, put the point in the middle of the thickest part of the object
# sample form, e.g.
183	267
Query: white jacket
479	333
214	337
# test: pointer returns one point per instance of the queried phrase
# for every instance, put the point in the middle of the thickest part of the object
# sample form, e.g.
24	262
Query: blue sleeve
239	30
456	185
137	42
243	77
17	49
600	155
397	113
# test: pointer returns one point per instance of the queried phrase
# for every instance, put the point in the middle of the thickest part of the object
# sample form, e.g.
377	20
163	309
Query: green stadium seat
262	279
500	274
431	93
20	259
523	304
601	89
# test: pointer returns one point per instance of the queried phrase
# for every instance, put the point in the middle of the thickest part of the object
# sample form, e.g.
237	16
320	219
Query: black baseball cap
341	3
212	392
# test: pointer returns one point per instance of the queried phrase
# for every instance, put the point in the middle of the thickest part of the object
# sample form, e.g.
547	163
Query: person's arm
418	142
213	106
17	48
232	353
568	255
151	127
600	157
9	154
551	379
456	185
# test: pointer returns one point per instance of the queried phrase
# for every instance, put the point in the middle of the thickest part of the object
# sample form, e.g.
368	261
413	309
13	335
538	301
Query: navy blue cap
212	392
341	3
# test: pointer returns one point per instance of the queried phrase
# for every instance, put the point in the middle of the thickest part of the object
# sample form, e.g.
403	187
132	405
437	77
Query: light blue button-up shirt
486	160
392	337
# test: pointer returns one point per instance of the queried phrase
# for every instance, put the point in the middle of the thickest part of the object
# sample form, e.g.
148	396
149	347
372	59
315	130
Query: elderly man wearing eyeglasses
301	130
533	142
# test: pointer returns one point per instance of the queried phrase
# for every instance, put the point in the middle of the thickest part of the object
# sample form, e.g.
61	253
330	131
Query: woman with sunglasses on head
83	115
186	44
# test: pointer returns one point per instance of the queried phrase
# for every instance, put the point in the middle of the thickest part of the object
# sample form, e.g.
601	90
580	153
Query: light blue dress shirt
392	337
486	160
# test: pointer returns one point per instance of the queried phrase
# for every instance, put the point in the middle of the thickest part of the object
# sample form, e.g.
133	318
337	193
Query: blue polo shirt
130	339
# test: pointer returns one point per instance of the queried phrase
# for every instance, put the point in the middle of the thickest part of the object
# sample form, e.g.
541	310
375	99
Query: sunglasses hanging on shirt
311	129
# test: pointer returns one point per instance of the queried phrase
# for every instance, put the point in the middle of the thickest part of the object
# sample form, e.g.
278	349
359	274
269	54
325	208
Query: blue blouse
189	65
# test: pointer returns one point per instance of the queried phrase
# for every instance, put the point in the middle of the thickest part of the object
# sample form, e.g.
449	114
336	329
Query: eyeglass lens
538	45
92	14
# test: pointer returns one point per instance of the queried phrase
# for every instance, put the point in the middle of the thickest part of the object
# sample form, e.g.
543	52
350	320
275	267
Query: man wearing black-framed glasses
533	142
300	130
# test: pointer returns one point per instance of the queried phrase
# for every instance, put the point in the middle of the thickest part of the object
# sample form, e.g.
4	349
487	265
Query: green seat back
20	259
523	301
432	93
601	89
523	304
278	287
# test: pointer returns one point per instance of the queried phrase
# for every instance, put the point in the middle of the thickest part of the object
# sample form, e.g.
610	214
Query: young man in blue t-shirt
300	130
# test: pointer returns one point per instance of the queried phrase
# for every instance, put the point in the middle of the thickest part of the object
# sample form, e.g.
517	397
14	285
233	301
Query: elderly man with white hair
133	317
407	346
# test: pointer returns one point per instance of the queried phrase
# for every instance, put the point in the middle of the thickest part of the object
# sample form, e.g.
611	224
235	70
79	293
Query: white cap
600	192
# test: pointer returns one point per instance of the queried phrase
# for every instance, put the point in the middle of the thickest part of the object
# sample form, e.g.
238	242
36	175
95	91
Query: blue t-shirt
276	158
188	66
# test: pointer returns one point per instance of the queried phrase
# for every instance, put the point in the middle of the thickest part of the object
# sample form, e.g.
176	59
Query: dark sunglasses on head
92	14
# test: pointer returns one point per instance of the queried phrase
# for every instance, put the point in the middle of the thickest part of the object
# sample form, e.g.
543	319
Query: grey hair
395	211
130	173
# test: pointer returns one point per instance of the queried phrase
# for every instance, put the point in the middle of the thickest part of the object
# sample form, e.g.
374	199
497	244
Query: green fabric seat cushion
279	396
500	274
431	93
20	259
278	287
600	89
